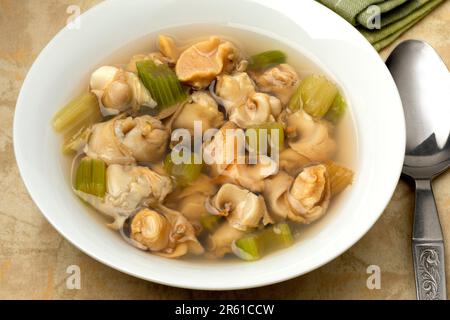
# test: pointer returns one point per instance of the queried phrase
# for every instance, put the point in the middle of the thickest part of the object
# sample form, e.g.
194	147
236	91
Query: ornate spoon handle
429	270
428	246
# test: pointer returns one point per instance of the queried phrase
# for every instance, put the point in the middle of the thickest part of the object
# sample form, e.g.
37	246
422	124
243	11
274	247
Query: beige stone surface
34	257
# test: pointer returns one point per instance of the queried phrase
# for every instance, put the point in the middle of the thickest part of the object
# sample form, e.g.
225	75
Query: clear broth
250	42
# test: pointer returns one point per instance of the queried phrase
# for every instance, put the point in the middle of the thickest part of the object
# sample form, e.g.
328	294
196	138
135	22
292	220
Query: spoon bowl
423	81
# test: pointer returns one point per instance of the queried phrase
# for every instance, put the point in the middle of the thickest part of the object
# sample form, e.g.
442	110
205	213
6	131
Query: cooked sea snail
280	80
200	107
310	137
243	209
167	233
127	140
119	90
234	90
259	108
303	199
199	64
125	189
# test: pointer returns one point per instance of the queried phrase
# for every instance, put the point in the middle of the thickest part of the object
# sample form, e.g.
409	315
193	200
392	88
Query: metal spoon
424	85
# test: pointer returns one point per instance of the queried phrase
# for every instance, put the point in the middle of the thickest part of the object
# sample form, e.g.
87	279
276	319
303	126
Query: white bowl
64	65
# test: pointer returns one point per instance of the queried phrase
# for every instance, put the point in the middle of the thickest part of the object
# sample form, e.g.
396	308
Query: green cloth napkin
396	16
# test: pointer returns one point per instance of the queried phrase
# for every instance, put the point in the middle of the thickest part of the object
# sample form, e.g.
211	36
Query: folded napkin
395	16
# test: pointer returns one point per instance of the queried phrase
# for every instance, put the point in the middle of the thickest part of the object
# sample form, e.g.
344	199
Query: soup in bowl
141	148
205	148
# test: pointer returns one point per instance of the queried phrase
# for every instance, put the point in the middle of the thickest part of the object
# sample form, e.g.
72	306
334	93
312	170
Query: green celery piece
266	59
184	173
151	84
278	236
296	103
75	142
165	89
249	247
162	83
80	181
84	172
337	109
254	246
98	178
80	112
318	94
269	126
91	177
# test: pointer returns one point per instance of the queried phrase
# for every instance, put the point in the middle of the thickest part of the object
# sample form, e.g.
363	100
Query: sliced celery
83	176
76	142
318	94
91	177
279	236
254	246
165	91
272	142
249	247
337	109
162	83
340	177
296	103
266	59
78	113
210	222
183	173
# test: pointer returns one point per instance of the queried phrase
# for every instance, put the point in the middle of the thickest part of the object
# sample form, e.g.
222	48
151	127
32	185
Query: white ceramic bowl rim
329	39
